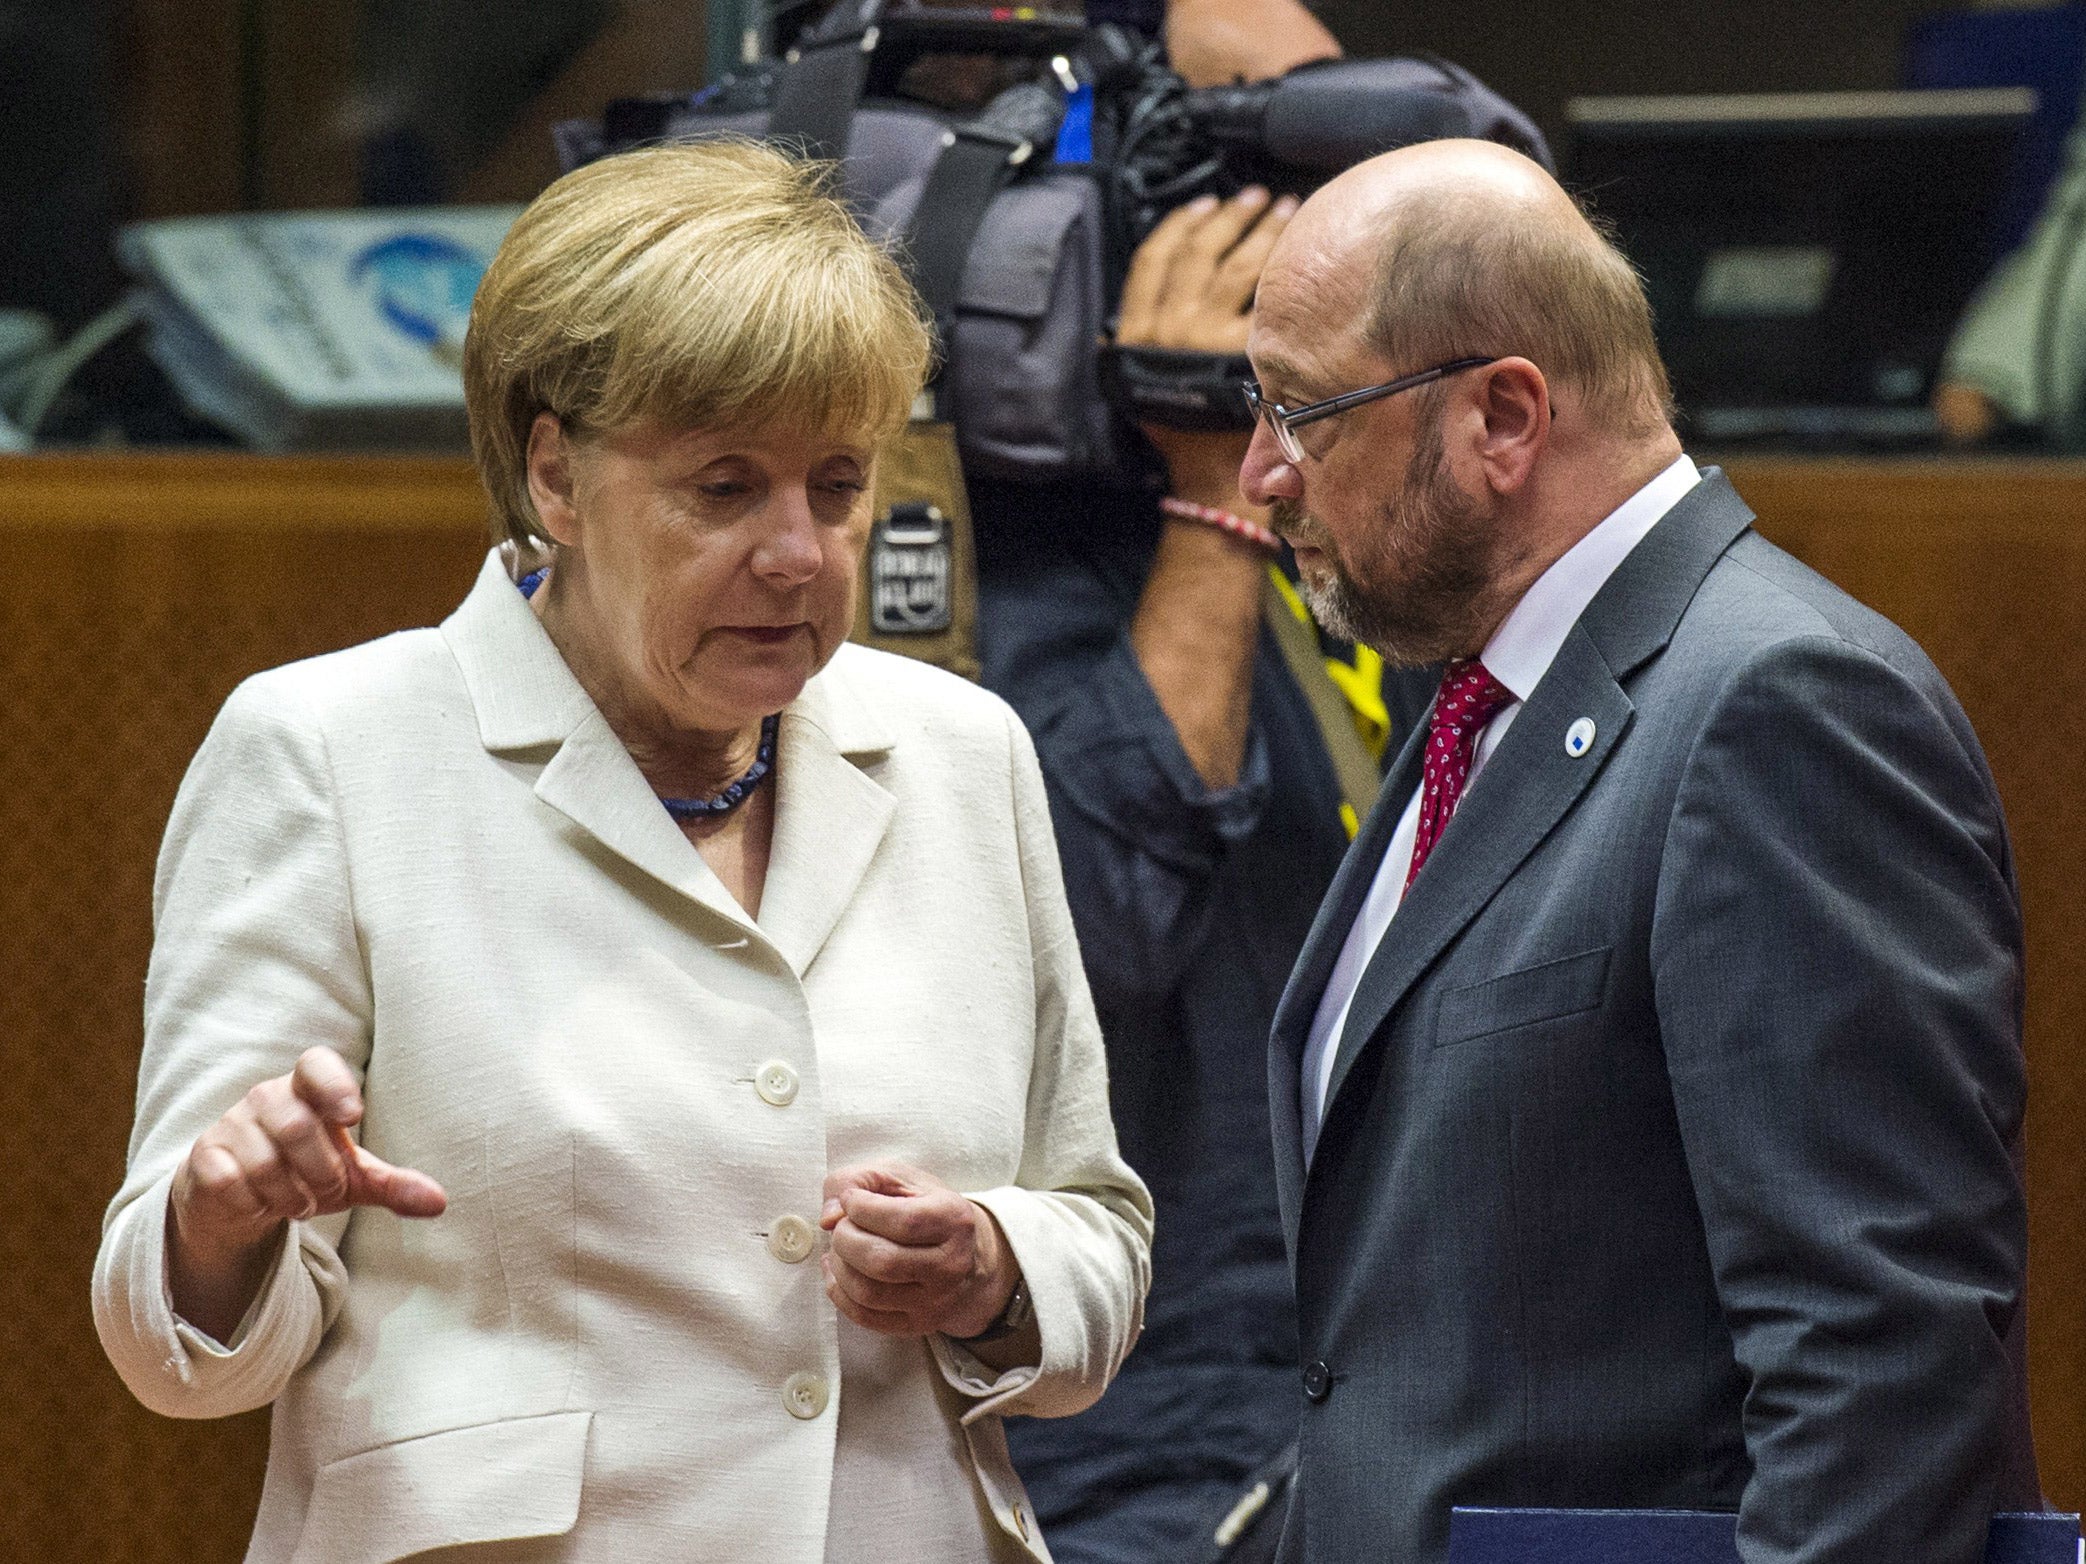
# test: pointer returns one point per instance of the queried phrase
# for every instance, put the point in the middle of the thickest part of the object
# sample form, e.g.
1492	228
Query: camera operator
1199	819
1214	41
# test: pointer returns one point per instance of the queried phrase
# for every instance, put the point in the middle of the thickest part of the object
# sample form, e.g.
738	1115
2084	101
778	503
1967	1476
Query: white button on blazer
431	854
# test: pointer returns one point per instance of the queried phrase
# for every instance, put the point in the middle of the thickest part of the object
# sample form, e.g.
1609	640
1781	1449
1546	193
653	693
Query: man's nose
1267	475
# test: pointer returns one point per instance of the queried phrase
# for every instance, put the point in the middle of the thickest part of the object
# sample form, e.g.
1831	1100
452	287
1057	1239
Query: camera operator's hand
1191	287
1198	621
1191	282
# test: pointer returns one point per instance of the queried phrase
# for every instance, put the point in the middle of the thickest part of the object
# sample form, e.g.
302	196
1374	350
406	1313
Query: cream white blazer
431	854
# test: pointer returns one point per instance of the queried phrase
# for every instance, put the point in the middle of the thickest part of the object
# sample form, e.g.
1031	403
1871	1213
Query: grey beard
1434	616
1334	605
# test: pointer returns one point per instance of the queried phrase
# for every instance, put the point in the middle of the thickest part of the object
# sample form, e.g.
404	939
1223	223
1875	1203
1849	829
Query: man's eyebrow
1277	372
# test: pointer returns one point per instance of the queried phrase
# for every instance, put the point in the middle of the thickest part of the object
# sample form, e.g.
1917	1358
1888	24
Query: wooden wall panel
179	86
183	69
1984	564
311	117
138	591
651	46
136	595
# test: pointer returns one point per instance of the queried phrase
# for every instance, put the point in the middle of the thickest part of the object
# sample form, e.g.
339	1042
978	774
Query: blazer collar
1632	617
524	694
830	814
1527	787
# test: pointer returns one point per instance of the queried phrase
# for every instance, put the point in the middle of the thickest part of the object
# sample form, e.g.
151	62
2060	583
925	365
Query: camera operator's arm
1211	42
1198	620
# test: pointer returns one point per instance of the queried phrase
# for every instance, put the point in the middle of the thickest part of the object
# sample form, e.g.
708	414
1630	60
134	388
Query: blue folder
1693	1537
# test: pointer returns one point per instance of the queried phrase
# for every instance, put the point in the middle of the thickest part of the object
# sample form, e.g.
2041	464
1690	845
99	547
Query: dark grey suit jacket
1671	1156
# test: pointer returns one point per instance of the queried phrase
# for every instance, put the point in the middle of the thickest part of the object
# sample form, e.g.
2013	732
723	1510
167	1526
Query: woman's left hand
911	1256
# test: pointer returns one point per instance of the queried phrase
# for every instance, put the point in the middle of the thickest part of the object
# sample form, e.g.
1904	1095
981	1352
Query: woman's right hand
279	1154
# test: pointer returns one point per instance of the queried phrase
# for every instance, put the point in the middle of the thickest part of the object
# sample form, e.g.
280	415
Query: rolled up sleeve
1143	837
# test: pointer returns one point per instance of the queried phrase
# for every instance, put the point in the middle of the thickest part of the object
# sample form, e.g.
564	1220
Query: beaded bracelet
1210	516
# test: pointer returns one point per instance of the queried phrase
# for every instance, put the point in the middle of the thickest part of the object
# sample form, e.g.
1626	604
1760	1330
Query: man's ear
1514	399
549	467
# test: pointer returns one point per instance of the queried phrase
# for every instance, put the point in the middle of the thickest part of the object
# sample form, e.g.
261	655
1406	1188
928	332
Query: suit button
790	1239
1318	1380
804	1395
777	1083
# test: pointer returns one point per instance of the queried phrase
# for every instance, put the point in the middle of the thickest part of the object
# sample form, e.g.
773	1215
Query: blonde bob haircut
704	285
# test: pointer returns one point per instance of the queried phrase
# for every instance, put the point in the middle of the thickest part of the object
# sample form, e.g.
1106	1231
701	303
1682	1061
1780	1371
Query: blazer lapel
830	816
1531	782
526	700
1322	946
594	783
1527	786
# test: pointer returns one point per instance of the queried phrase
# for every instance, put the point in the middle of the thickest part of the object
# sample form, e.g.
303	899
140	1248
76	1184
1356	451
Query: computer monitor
1807	254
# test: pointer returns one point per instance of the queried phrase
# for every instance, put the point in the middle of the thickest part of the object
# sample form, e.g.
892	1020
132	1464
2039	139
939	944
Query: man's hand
911	1256
1191	282
281	1153
1190	287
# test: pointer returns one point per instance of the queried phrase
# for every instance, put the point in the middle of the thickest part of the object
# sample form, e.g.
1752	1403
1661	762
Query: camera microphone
1330	114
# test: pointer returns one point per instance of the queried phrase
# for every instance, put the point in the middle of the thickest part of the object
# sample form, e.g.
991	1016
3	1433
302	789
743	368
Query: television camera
1016	157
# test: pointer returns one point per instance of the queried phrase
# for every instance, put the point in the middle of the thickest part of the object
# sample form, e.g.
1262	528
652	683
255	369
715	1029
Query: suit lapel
1306	986
1527	786
830	817
1531	782
594	783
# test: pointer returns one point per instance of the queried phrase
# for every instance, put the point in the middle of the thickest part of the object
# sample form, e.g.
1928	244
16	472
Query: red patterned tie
1469	698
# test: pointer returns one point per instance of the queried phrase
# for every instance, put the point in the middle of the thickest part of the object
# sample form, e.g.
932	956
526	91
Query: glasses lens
1265	411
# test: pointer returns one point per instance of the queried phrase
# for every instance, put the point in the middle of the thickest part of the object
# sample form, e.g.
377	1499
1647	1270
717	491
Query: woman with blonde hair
618	1078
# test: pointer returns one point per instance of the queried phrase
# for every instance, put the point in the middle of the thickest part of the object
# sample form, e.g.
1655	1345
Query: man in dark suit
1647	1096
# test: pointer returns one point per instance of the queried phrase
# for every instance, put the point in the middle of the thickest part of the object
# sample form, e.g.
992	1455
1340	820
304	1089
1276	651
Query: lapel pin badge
1579	737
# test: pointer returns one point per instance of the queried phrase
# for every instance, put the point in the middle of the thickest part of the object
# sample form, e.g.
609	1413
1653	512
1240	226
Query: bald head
1355	211
1454	249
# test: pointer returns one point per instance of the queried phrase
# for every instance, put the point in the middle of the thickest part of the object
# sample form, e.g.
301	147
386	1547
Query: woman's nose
790	552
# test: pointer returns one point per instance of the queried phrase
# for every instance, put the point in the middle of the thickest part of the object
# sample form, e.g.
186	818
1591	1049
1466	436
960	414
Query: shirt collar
1522	648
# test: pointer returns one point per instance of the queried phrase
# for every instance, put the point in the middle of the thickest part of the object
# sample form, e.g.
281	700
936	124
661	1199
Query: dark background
1539	53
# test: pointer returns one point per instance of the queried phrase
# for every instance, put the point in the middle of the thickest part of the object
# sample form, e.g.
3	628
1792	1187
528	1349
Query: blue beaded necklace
735	795
720	804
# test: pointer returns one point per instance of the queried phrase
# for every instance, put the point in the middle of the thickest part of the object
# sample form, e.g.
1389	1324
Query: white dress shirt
1518	655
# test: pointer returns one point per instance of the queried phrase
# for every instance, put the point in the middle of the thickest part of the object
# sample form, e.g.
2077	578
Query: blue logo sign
423	285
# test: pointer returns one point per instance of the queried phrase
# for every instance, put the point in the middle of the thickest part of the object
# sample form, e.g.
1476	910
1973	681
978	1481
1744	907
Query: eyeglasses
1283	422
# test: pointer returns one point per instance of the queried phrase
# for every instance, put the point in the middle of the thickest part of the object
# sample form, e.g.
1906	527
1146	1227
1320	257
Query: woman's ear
1516	402
549	467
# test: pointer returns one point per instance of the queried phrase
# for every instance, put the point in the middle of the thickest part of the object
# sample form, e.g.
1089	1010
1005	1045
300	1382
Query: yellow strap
1360	682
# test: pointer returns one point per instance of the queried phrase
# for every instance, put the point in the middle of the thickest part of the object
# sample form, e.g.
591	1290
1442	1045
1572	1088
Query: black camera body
1018	194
